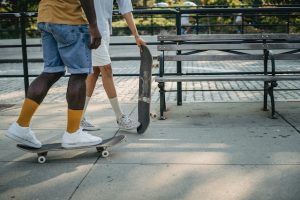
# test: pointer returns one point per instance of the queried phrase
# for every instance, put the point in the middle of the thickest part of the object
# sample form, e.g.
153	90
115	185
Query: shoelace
126	121
86	123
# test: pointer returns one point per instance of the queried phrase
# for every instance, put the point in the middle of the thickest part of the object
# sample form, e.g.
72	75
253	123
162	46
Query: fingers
95	37
140	42
95	43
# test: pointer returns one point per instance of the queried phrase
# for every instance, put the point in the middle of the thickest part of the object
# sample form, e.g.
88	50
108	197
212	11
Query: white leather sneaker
23	135
79	139
88	126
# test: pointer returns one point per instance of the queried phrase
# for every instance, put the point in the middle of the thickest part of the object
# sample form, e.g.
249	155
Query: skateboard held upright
144	89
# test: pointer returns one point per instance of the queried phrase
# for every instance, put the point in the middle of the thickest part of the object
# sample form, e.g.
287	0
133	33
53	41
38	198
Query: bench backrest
229	42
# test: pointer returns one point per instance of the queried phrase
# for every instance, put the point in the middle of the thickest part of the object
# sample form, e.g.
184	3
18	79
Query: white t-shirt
104	10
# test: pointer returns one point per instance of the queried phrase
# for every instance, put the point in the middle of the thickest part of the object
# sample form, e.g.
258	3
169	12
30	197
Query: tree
19	5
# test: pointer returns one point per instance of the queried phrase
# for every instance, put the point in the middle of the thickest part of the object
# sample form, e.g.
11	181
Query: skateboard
144	99
43	151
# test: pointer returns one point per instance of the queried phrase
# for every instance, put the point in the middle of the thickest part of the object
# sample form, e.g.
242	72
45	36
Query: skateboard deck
144	89
43	151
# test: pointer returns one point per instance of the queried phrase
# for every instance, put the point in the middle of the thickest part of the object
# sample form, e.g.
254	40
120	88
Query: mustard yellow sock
28	109
74	117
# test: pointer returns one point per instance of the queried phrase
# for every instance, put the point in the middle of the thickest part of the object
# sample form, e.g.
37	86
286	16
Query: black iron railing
287	14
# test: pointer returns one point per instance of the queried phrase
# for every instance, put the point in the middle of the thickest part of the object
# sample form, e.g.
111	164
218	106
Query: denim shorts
66	46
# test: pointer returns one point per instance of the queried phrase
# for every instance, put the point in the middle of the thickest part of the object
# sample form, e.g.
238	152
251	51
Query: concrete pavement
218	145
202	151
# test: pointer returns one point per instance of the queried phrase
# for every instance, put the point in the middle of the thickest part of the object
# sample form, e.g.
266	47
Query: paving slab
231	114
27	180
290	113
189	182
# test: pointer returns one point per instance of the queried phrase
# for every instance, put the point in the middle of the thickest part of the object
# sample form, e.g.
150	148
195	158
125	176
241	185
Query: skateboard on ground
43	151
144	89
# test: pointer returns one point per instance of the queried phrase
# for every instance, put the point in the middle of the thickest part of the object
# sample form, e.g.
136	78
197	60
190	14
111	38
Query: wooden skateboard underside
144	89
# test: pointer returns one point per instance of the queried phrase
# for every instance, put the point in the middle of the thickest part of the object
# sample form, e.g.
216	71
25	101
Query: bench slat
175	47
242	46
283	46
227	78
206	37
287	56
212	57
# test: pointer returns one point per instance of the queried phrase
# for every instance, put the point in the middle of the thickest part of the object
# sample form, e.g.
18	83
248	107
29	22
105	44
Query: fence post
24	51
179	69
288	23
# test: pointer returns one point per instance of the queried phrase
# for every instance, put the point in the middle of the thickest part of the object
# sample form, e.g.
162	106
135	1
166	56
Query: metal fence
250	20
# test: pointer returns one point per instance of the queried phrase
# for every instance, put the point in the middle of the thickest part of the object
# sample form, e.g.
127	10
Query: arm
130	22
89	10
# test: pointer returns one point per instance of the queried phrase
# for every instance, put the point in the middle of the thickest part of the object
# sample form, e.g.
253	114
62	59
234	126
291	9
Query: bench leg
266	90
162	99
271	93
179	94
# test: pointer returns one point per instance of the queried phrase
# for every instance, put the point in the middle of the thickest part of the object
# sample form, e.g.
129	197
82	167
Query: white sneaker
23	135
87	126
126	123
79	139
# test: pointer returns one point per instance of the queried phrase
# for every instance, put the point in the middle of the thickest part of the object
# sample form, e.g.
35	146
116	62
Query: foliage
9	28
18	5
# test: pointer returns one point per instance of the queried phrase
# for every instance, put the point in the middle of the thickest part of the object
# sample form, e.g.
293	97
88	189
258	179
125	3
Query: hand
95	37
139	41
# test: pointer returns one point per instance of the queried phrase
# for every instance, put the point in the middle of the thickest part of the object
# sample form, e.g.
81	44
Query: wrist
93	25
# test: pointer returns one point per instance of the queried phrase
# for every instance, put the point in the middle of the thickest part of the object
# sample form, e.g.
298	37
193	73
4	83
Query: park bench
239	47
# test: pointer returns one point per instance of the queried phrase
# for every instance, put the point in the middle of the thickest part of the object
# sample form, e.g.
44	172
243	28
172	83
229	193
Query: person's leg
36	93
76	99
90	86
109	87
38	89
123	121
73	48
74	136
100	57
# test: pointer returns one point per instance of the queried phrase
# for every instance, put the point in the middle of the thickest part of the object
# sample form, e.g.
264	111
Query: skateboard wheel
105	154
100	149
153	115
41	159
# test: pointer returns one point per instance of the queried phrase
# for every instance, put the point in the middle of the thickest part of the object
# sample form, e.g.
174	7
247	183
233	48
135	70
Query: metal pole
24	51
179	69
288	23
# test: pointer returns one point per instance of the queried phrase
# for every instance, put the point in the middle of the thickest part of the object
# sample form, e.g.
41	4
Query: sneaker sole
21	140
91	129
73	145
127	129
131	128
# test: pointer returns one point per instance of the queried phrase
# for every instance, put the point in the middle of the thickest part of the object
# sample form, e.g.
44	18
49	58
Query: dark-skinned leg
37	91
76	99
